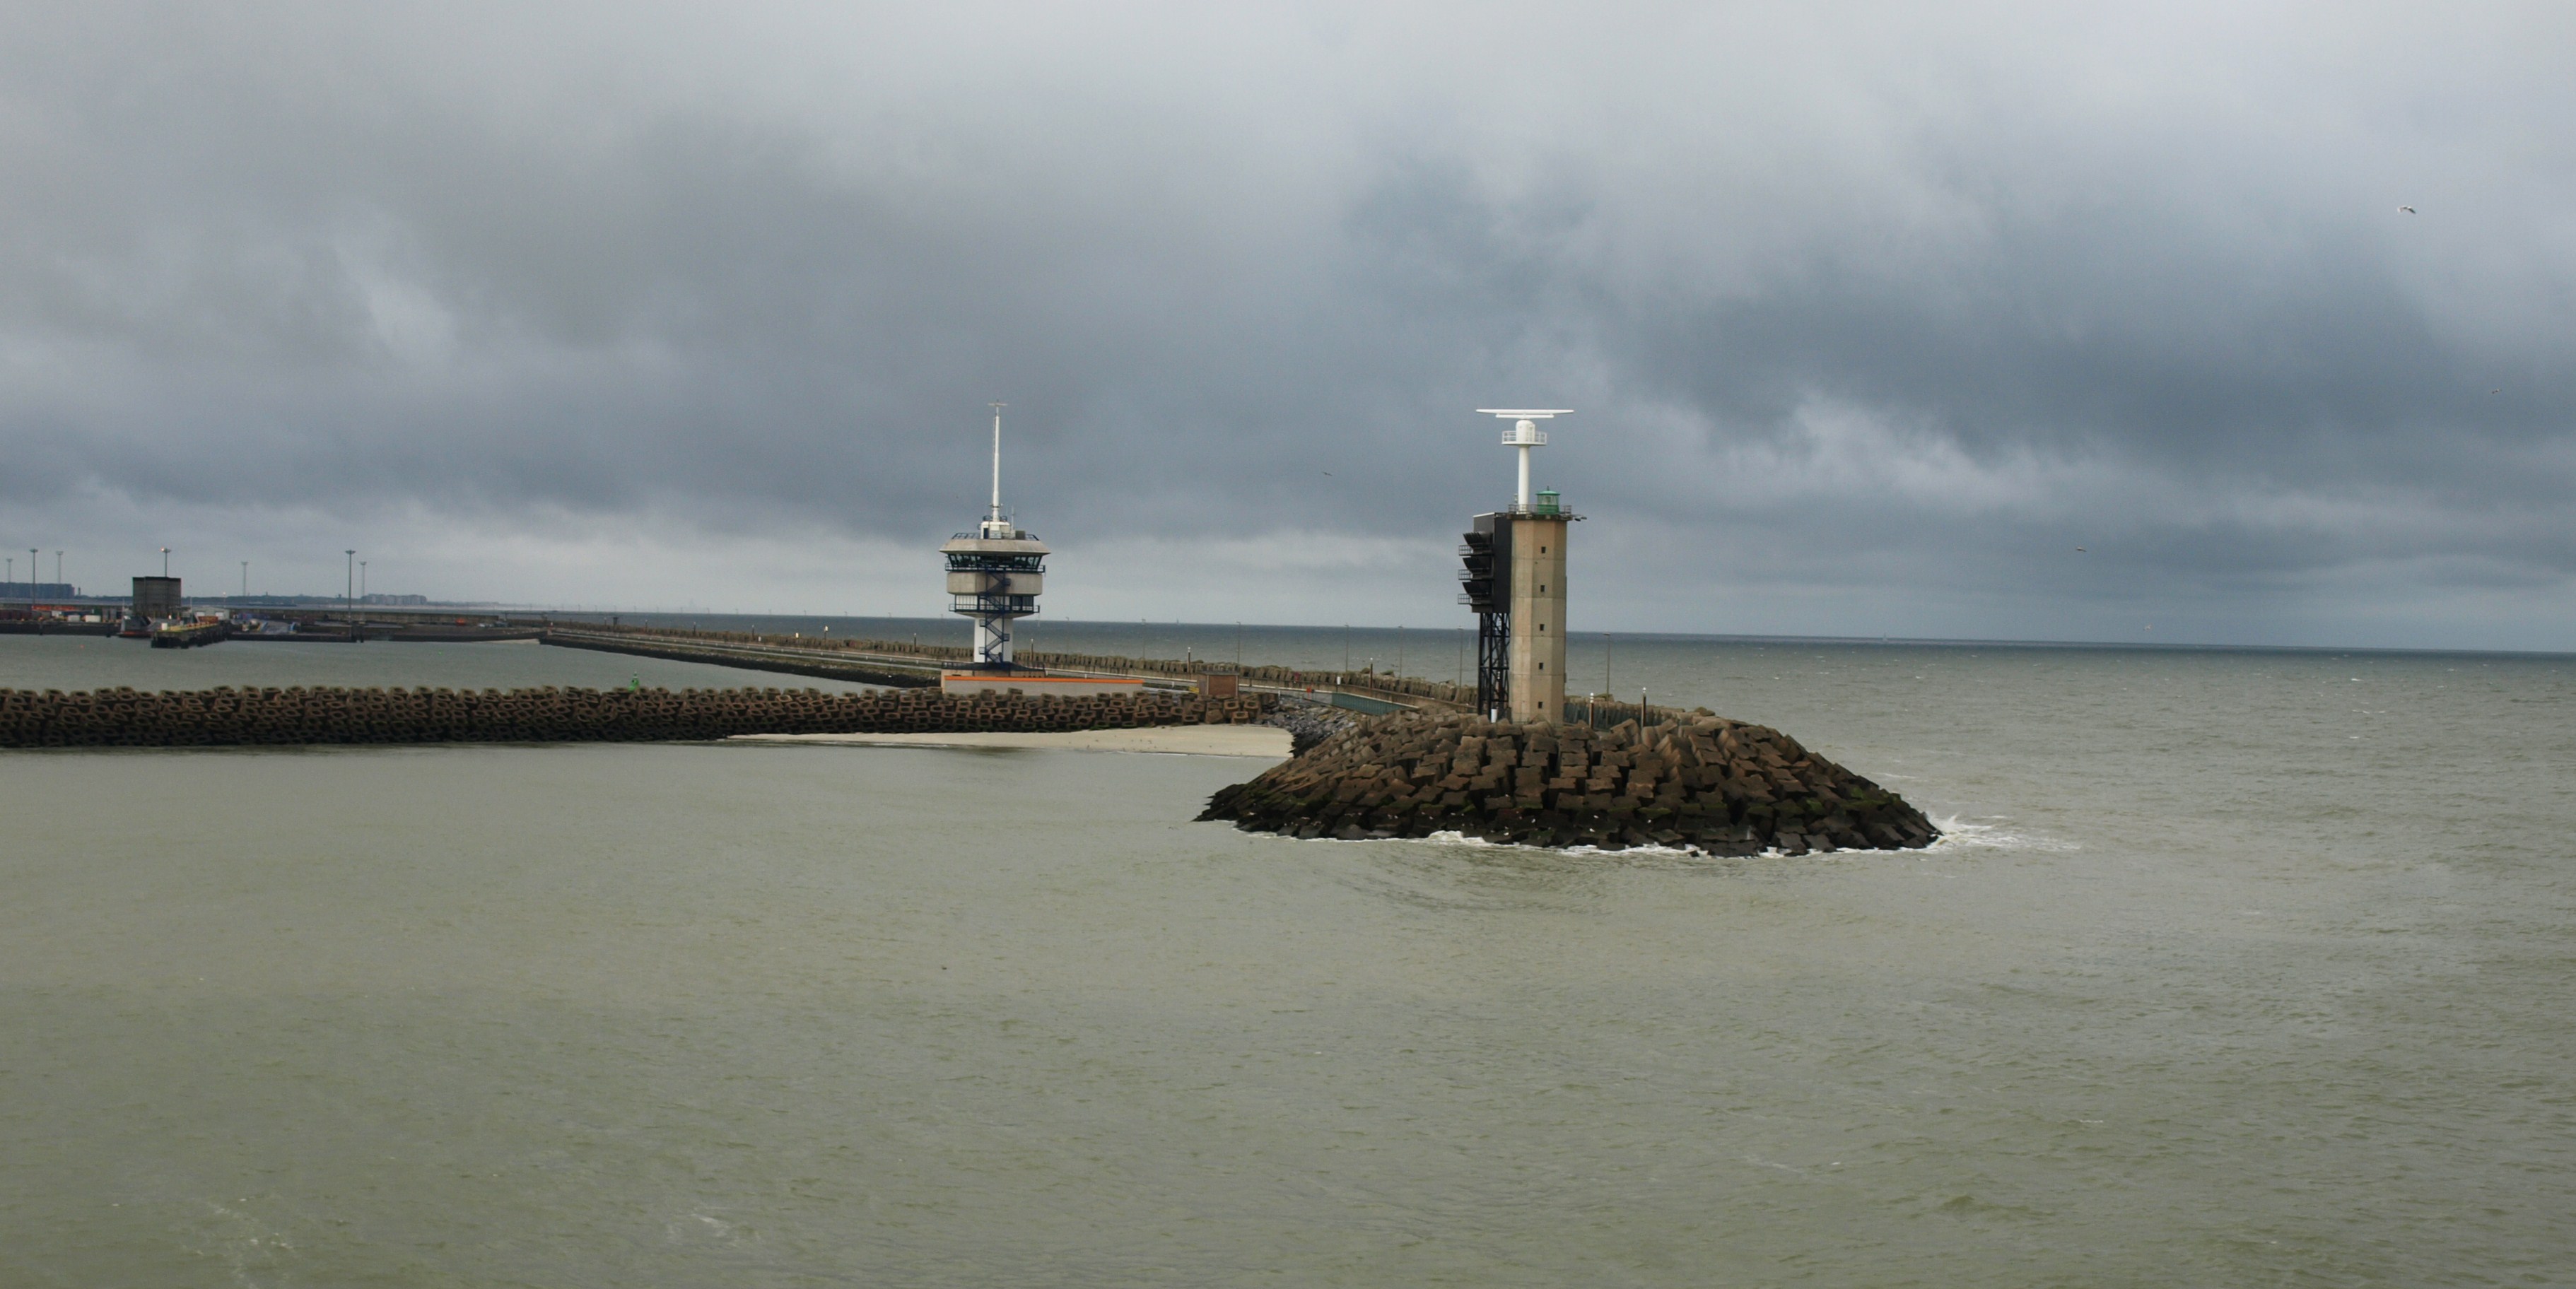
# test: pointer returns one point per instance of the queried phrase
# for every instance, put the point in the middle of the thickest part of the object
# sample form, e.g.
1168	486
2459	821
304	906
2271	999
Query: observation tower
995	573
1514	578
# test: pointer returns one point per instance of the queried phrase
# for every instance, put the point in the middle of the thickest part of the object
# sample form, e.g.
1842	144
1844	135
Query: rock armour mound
1702	782
226	717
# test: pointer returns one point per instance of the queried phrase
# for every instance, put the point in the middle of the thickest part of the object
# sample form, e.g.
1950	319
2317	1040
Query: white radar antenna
1524	435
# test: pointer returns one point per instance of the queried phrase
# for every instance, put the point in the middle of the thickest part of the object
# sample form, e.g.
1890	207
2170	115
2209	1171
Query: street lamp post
1606	691
349	597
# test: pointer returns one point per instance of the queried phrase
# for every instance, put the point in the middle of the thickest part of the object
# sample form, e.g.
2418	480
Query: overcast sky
1871	316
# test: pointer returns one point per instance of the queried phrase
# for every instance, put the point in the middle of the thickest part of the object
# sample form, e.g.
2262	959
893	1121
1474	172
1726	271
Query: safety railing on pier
1604	713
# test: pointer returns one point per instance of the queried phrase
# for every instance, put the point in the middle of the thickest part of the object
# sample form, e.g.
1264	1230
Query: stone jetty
1694	781
226	717
750	653
898	663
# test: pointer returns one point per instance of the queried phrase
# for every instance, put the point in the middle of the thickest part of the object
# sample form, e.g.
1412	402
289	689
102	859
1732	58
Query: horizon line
1796	638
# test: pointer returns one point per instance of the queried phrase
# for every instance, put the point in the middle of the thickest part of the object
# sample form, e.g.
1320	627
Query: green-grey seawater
2239	968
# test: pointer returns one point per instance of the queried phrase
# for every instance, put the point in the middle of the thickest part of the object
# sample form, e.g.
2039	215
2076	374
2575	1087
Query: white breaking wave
1956	834
1452	838
1959	834
1647	849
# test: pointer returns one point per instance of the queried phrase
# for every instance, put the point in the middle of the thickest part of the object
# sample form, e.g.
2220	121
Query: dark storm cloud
1898	305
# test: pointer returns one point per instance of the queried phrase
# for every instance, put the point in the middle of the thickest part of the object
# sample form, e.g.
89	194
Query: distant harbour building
156	598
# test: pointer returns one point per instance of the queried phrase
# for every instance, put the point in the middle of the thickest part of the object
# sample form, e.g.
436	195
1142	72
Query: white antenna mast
993	520
1524	435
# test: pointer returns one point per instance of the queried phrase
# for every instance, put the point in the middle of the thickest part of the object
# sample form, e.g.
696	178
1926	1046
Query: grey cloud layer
1896	302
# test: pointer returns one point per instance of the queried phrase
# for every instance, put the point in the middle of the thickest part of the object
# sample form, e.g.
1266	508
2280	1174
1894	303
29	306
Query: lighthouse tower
1515	580
995	573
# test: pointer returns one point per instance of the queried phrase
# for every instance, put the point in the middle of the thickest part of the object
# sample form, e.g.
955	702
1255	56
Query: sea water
2236	968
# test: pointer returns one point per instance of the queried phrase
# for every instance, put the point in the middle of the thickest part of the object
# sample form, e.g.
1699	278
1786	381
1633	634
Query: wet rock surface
1699	782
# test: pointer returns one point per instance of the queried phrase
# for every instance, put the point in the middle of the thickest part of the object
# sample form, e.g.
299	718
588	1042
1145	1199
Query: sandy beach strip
1185	740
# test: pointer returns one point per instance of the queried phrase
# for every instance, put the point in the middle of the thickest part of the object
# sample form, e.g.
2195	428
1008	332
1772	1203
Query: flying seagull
2408	209
2079	550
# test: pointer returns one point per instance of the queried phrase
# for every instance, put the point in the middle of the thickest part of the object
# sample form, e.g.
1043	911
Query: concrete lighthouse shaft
995	573
1538	615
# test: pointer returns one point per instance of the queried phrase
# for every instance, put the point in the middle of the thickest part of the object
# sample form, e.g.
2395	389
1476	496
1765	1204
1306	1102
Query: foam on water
2002	834
1647	849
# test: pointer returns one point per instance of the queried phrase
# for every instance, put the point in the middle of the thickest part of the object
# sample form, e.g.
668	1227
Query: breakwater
750	653
902	662
236	717
1697	781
